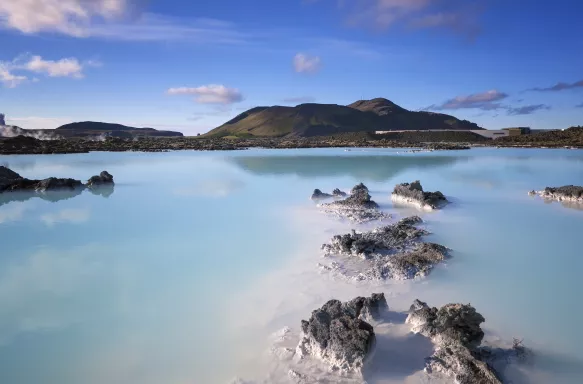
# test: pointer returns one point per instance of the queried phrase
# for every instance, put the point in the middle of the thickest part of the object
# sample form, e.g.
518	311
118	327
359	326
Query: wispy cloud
304	63
579	105
527	109
486	101
560	87
151	28
210	94
12	213
299	100
457	15
9	79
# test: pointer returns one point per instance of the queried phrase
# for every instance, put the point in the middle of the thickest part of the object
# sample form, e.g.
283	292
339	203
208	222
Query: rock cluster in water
358	206
339	334
342	336
566	193
455	330
412	193
391	252
11	181
319	195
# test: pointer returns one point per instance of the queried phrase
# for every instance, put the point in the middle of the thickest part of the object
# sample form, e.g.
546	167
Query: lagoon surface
190	268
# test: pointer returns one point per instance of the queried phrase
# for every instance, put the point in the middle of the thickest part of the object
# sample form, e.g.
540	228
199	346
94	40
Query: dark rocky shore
29	145
566	193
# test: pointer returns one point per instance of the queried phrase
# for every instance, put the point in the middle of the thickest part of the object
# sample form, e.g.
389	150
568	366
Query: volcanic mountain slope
326	119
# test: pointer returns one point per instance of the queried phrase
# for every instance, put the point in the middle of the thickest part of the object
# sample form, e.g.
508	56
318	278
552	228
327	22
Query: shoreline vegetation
446	140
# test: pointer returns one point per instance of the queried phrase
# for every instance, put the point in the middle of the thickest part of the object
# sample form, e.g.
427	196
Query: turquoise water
185	270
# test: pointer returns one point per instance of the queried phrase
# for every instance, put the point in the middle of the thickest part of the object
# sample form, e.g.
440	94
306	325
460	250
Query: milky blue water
183	272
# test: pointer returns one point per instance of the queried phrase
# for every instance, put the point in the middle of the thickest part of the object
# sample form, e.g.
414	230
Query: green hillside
306	120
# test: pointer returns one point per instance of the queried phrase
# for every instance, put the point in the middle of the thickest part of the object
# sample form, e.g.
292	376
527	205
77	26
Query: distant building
2	121
517	131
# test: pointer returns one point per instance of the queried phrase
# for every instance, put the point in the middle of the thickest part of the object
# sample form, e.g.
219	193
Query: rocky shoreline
567	193
28	145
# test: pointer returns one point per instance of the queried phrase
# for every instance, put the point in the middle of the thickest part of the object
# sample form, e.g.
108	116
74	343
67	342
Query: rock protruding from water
318	195
104	178
412	193
455	330
7	176
566	193
390	252
11	181
358	206
338	335
338	193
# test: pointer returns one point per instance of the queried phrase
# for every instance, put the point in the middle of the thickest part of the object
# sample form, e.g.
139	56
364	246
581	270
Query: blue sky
192	65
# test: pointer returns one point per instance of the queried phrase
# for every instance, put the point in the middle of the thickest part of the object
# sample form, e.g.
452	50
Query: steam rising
13	131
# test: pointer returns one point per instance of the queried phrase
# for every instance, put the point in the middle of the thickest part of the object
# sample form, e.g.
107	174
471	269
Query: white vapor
69	67
210	94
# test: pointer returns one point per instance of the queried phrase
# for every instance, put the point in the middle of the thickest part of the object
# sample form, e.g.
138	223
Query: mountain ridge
314	119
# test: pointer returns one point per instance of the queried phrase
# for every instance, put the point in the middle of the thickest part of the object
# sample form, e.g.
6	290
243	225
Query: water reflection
54	196
365	168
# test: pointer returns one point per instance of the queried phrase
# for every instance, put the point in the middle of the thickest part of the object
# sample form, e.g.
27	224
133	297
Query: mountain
326	119
93	128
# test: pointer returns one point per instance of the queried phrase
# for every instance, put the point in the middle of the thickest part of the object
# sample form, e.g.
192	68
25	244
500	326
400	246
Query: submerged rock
391	252
412	193
567	193
338	335
103	179
358	206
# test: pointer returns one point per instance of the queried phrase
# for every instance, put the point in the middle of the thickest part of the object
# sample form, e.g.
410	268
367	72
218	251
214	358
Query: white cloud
306	64
74	216
66	67
69	67
70	17
210	94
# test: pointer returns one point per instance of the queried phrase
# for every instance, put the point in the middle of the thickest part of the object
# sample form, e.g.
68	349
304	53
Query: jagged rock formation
358	206
11	181
390	252
455	330
338	334
338	193
566	193
412	193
